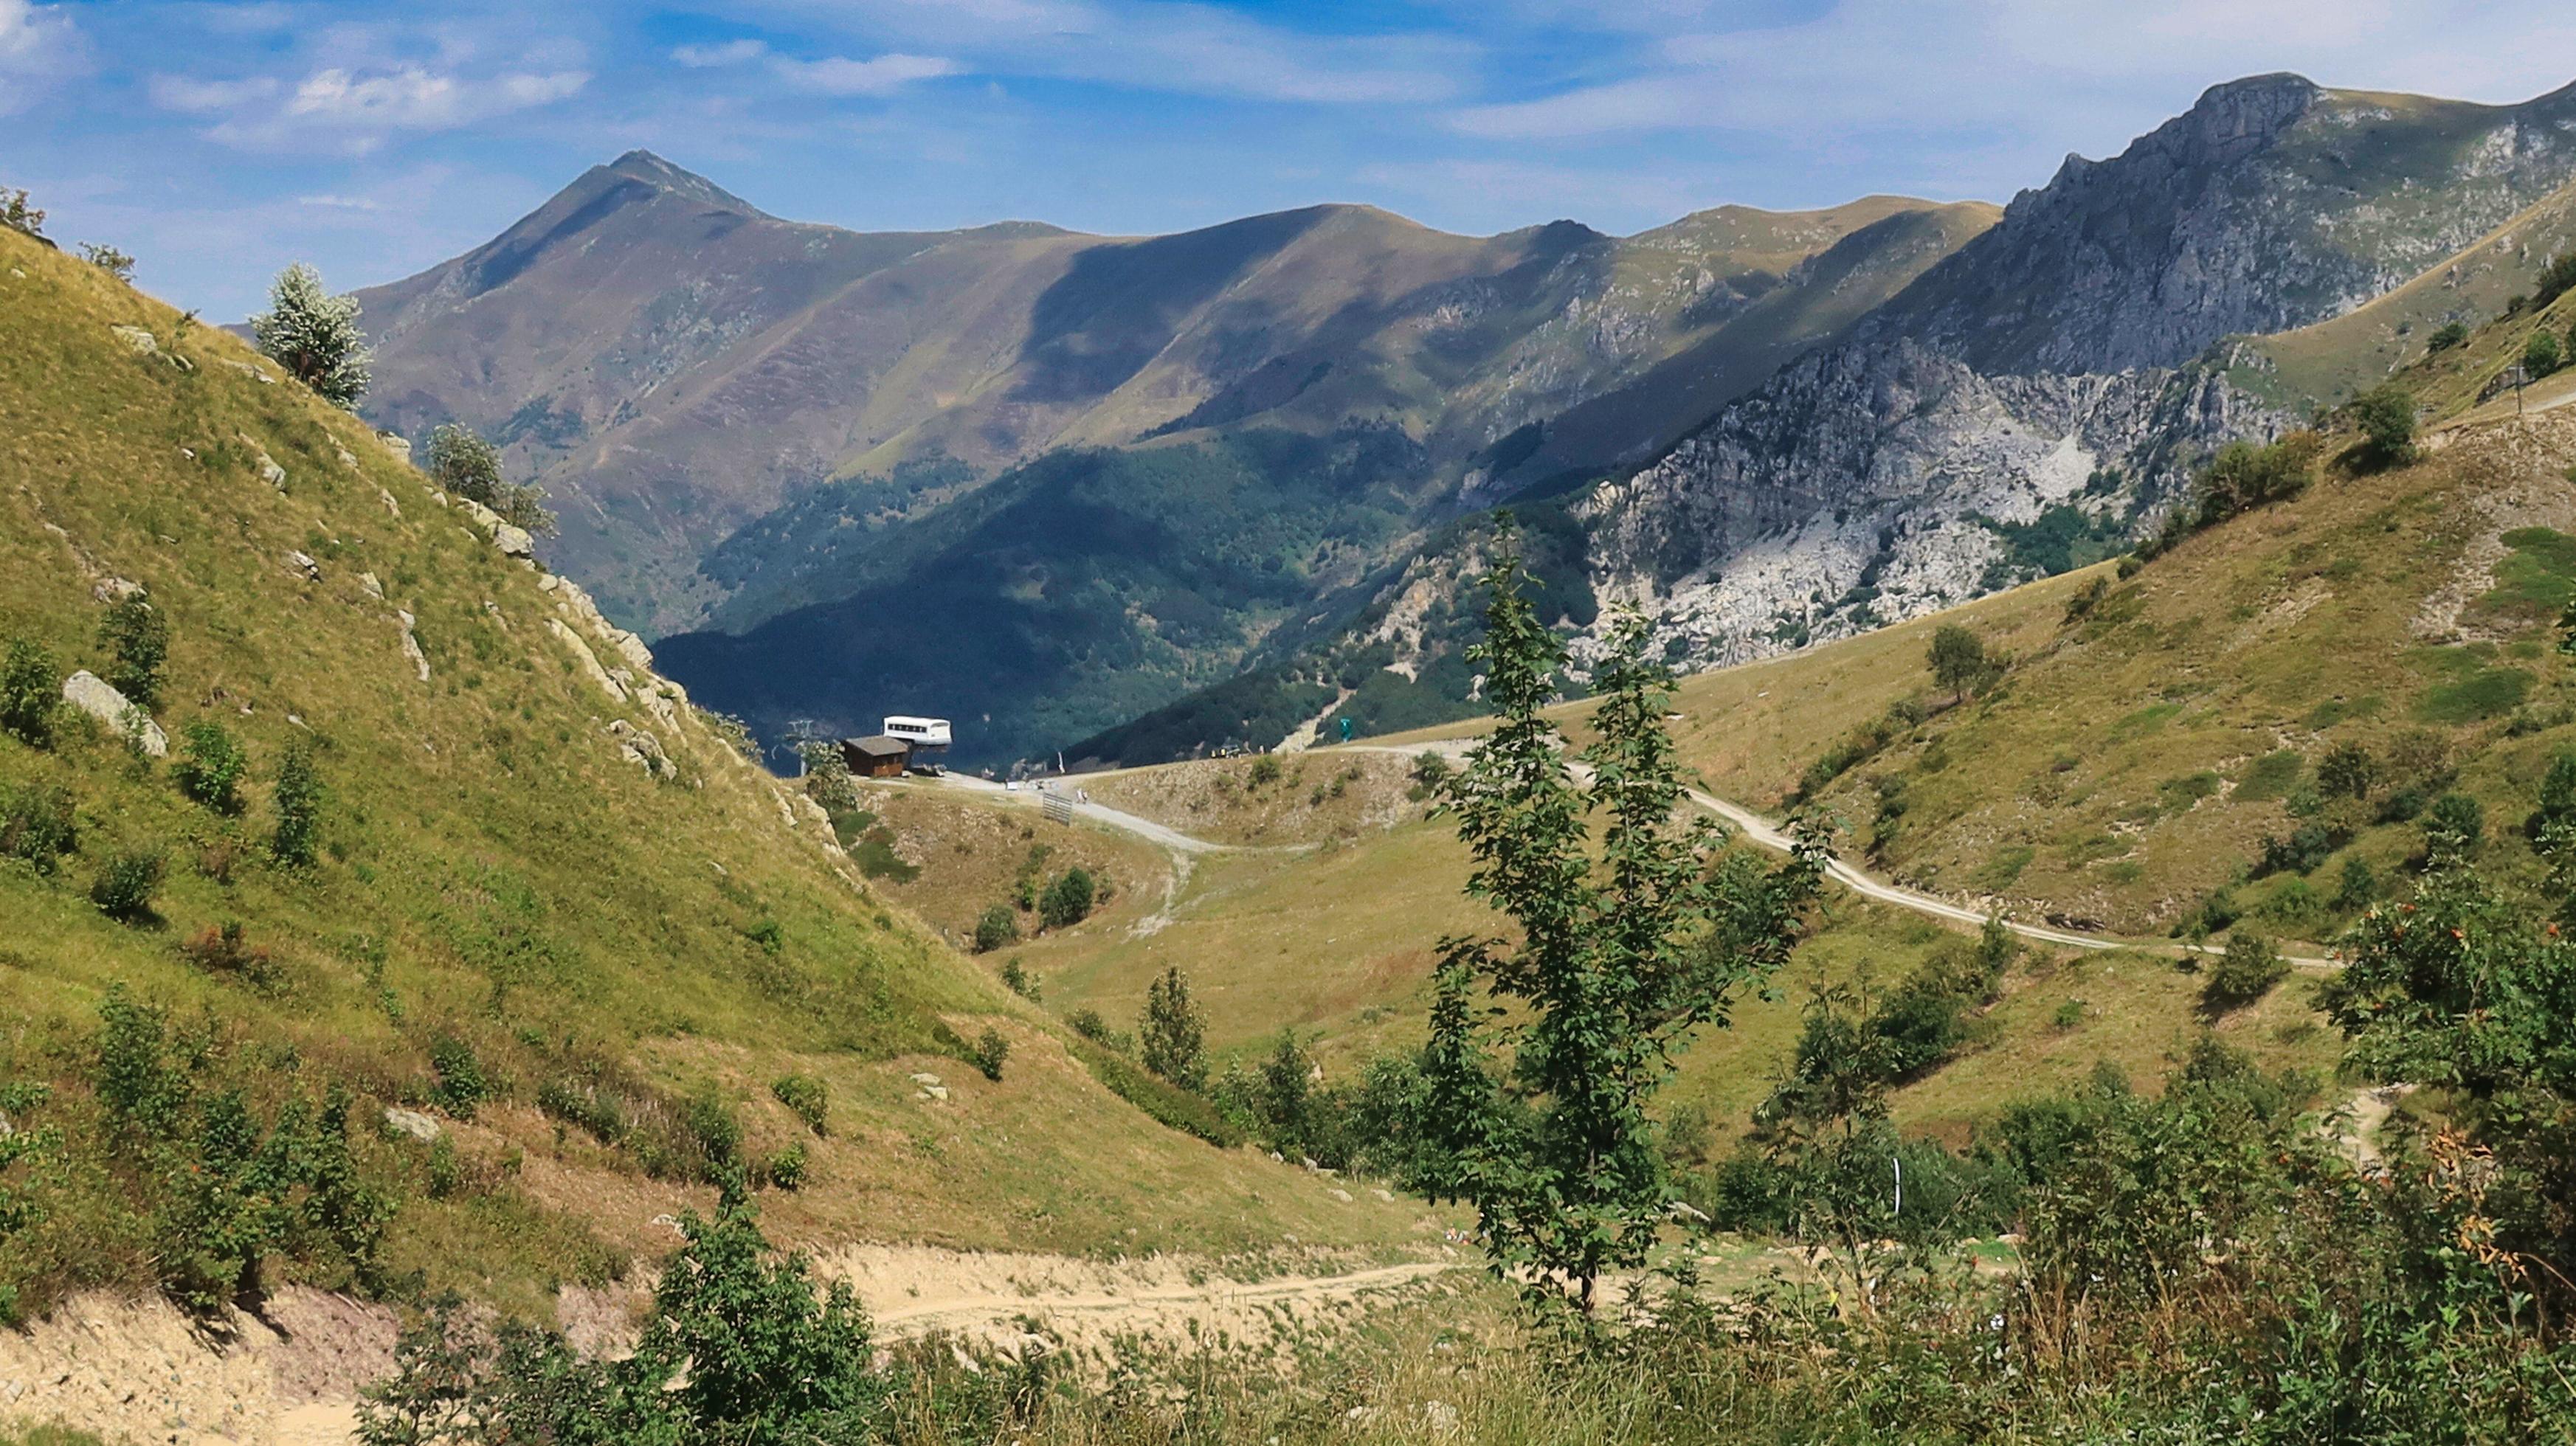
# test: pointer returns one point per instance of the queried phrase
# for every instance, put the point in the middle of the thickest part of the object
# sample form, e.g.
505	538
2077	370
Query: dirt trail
138	1371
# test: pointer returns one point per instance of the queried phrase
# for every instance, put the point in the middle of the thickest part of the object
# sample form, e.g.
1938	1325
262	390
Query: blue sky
217	141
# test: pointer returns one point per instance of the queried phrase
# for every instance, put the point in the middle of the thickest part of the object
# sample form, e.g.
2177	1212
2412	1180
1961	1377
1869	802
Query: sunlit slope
496	867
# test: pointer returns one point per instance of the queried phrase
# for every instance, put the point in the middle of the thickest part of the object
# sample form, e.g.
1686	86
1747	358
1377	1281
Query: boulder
394	443
639	747
141	341
91	694
588	661
513	541
304	563
114	590
411	645
413	1123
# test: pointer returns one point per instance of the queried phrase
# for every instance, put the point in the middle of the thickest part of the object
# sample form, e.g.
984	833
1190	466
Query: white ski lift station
926	735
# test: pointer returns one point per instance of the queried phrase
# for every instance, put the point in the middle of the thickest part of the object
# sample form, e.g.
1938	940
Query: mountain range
1221	482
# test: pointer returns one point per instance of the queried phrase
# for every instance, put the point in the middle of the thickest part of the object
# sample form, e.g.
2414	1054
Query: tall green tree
314	335
1172	1034
1957	659
1619	958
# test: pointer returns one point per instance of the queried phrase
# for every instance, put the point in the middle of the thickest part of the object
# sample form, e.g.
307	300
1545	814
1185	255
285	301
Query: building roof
878	745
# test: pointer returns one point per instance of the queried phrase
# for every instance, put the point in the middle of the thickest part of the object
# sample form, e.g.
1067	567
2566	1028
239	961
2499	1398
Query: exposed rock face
2270	204
92	695
1857	490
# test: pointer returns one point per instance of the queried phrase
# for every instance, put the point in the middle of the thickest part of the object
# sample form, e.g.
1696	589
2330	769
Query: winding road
1751	825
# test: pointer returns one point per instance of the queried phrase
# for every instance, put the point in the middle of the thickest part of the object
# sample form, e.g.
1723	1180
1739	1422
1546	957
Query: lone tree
1623	949
1172	1033
2386	416
314	335
1958	659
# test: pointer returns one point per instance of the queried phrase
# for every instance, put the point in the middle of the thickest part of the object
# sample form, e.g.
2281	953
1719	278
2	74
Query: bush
1017	979
2540	355
2358	889
808	1098
2246	972
989	1052
2244	476
462	1087
314	335
2454	827
298	800
786	1169
2386	416
36	826
125	885
2555	278
594	1109
137	640
31	693
1068	900
2307	846
224	951
19	216
107	258
711	1123
1265	771
2447	336
212	768
997	928
1088	1023
465	465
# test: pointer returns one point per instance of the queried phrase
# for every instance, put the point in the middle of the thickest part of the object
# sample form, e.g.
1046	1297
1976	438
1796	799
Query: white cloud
1175	48
40	47
2055	72
881	75
732	52
352	111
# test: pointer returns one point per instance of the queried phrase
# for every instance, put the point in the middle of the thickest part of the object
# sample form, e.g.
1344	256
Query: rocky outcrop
2270	204
94	696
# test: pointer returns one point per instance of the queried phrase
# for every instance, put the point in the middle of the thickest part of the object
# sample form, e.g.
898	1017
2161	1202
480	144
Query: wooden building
876	756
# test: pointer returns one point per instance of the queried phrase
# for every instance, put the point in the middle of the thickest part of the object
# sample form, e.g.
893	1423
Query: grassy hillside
580	965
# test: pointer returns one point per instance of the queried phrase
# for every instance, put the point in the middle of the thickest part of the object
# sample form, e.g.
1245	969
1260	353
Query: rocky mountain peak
652	170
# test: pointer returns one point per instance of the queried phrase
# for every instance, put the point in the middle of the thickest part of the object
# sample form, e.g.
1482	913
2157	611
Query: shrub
1265	771
2246	972
996	928
17	215
2307	846
464	464
36	826
298	800
212	768
2386	416
711	1122
125	885
1017	979
786	1169
223	950
2540	355
989	1052
2068	1015
808	1098
137	639
1068	900
2447	336
2555	278
31	693
2358	889
107	258
594	1109
2453	828
2244	476
2346	771
314	335
1088	1023
462	1086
